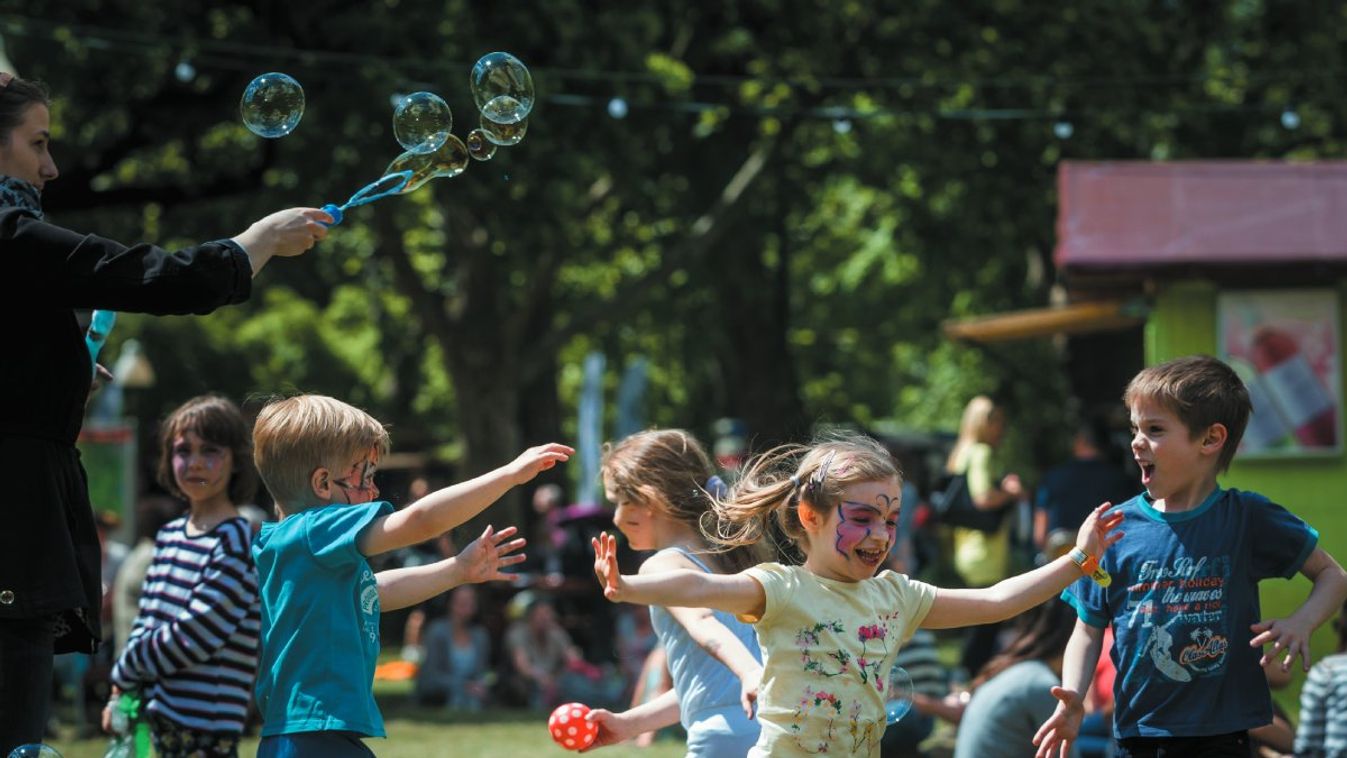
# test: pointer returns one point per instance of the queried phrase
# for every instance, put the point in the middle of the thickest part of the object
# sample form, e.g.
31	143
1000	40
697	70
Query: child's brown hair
1201	391
672	465
775	483
216	420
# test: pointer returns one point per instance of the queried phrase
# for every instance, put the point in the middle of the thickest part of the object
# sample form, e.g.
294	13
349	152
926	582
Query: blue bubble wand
389	184
100	326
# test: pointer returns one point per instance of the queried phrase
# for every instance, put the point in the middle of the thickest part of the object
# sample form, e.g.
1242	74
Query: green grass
431	732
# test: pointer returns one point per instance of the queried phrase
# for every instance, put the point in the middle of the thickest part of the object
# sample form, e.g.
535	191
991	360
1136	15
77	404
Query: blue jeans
26	649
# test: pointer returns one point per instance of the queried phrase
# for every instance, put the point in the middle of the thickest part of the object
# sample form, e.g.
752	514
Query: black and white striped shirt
193	648
1323	710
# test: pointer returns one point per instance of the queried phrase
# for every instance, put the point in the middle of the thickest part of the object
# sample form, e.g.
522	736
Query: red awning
1142	215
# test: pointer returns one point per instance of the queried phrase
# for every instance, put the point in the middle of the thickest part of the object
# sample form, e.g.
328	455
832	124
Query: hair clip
795	481
716	487
820	475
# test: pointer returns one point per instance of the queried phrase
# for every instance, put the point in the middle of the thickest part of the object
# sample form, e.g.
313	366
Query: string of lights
195	53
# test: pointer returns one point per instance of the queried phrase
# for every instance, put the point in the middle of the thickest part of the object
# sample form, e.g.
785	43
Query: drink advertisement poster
1284	345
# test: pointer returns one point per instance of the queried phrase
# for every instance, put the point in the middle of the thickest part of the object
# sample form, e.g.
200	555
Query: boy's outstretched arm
1059	732
445	509
1291	635
481	561
1009	597
733	593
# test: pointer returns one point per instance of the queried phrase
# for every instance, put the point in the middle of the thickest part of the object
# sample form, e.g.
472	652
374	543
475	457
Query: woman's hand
285	233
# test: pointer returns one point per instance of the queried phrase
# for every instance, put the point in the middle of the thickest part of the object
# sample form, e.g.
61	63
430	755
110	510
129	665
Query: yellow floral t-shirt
827	647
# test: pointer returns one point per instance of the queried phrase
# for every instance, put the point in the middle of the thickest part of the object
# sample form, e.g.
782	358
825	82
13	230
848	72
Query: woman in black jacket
49	553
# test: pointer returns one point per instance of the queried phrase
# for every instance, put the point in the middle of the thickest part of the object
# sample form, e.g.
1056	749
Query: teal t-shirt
320	623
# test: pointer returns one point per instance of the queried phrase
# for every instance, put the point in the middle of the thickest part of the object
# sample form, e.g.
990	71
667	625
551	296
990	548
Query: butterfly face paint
858	521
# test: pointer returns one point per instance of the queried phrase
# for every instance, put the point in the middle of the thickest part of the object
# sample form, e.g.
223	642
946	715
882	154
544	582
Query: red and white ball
570	729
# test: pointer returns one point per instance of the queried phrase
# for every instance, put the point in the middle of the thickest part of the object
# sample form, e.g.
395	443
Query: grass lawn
432	732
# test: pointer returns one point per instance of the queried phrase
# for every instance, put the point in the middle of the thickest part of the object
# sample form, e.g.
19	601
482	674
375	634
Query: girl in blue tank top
661	481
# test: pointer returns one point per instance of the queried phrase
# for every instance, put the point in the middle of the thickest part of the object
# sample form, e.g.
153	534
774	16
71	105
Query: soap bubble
422	122
504	134
272	105
900	695
502	88
479	146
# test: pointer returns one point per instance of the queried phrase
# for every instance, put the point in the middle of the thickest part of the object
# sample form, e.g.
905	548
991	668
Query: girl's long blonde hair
766	501
973	428
673	465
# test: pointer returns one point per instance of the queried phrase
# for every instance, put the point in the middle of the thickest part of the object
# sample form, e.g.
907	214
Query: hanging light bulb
184	71
1290	119
617	108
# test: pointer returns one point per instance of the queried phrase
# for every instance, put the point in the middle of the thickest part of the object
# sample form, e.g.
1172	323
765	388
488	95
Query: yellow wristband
1089	566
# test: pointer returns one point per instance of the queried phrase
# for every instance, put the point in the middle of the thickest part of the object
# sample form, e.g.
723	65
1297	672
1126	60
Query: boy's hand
1097	532
484	557
1059	732
605	566
535	459
1286	635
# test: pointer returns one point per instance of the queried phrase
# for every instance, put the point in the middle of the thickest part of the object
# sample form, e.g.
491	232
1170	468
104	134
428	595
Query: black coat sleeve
87	271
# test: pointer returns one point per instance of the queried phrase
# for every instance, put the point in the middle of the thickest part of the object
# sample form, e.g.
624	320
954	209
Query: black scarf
16	193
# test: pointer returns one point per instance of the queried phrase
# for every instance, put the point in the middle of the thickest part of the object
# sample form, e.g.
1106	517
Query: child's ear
1214	439
320	481
810	517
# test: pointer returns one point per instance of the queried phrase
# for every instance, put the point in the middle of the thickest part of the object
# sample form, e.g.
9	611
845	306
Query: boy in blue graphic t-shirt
1183	600
320	599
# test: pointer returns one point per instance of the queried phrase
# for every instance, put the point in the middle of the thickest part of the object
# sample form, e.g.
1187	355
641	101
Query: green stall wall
1183	322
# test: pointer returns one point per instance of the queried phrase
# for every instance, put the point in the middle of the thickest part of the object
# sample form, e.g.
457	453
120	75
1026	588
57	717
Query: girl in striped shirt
192	652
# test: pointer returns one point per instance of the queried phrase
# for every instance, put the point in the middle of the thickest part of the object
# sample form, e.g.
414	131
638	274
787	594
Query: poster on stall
1284	344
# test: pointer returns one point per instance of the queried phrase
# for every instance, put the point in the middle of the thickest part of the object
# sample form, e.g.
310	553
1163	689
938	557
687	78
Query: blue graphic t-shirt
320	623
1183	596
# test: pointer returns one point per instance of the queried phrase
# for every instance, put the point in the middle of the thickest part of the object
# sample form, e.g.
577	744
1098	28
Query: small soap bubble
617	108
422	122
34	750
1063	129
450	160
272	105
479	147
504	134
502	88
899	696
1290	119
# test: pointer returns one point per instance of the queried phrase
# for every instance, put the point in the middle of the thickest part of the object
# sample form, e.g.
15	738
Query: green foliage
909	178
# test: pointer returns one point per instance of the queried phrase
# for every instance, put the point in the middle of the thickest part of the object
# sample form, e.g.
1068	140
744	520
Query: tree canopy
797	194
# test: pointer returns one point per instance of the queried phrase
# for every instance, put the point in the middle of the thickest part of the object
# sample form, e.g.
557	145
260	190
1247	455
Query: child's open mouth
1147	471
870	558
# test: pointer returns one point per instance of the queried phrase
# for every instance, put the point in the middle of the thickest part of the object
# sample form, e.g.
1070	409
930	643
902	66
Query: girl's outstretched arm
711	635
1009	597
733	593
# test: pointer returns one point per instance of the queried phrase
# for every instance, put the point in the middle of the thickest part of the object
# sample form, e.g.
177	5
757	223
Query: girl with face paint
197	628
831	628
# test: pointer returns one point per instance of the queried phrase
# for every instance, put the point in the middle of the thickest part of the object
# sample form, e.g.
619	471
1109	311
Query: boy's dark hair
219	421
1201	391
15	97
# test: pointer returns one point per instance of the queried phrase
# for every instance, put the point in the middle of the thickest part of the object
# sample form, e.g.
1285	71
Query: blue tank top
701	682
